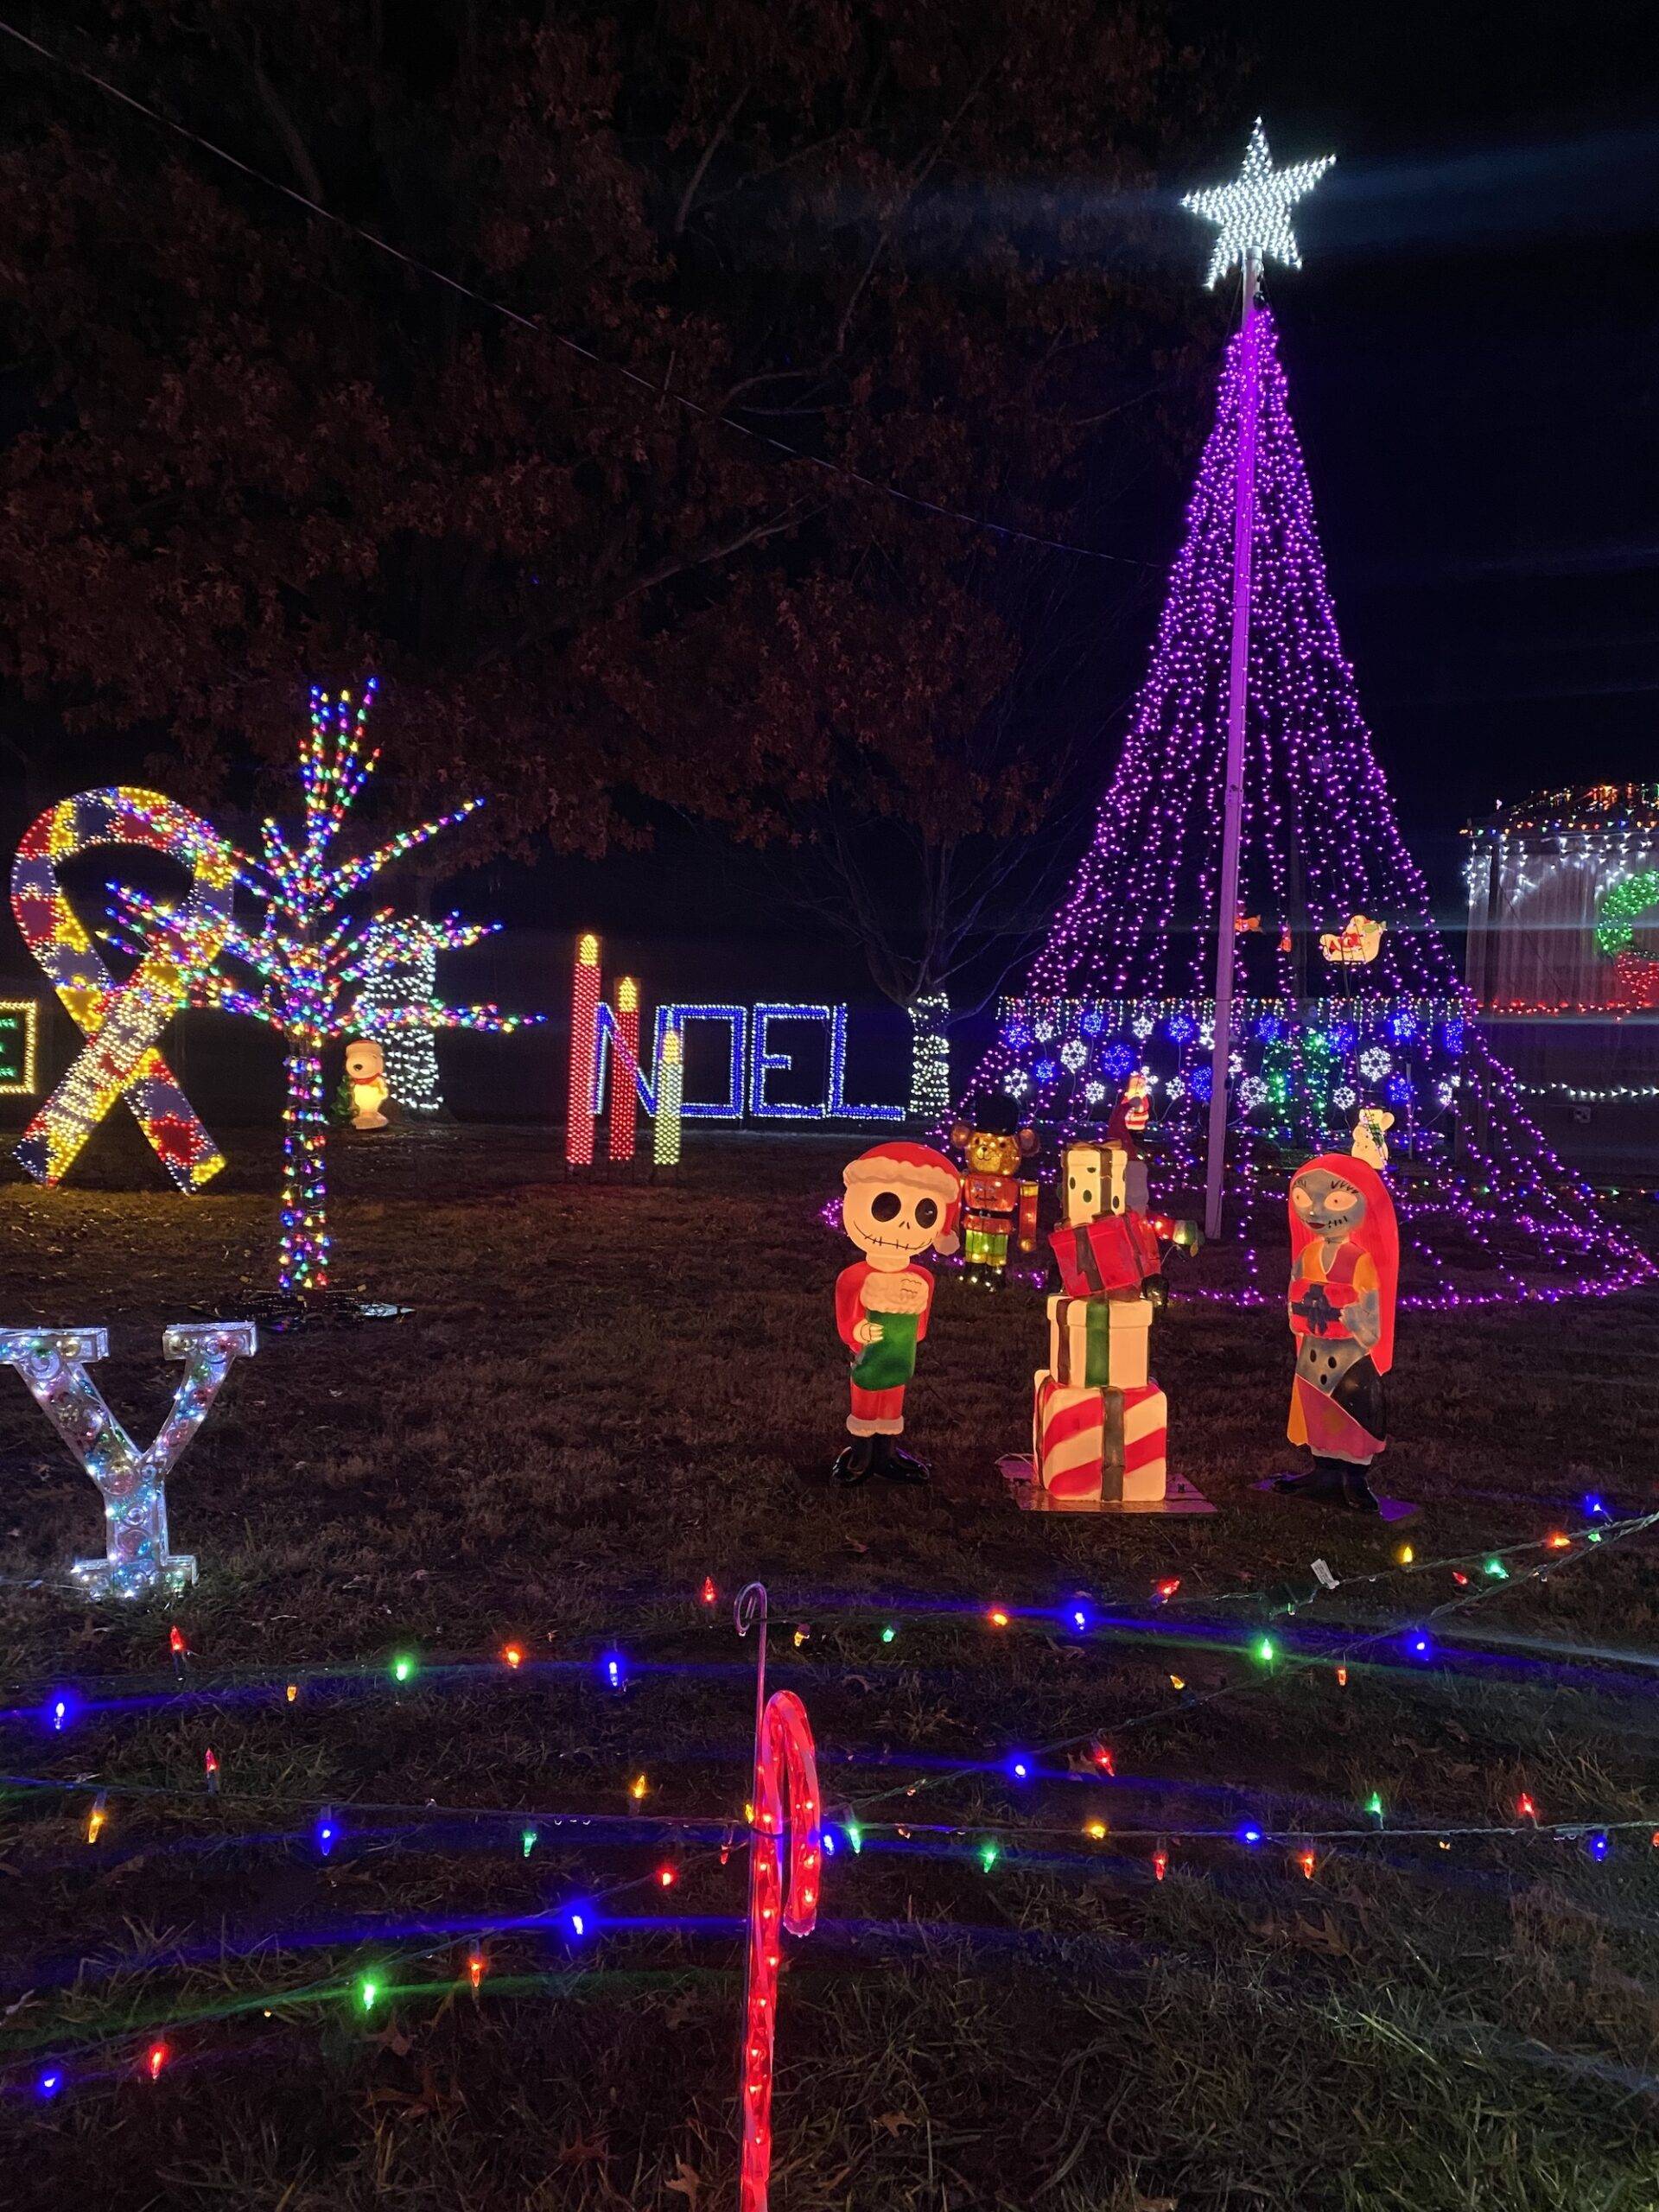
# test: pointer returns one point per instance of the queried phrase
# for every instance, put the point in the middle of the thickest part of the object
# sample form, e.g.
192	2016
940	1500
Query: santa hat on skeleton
918	1171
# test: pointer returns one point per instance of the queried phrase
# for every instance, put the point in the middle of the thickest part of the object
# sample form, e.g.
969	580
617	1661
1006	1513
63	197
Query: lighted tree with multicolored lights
314	970
1247	826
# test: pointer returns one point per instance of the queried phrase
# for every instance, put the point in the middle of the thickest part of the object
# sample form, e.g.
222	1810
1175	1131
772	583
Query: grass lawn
604	1395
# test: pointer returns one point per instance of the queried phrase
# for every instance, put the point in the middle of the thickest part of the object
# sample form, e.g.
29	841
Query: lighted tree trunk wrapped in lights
302	1261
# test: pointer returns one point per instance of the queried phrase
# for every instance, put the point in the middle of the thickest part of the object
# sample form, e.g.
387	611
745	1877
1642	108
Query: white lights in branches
930	1057
1254	213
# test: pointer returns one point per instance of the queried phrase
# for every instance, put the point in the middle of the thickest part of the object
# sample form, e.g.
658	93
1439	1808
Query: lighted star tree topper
1252	216
1248	816
314	971
1253	220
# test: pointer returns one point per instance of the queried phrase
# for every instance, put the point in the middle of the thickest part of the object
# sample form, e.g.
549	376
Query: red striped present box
1144	1436
1095	1446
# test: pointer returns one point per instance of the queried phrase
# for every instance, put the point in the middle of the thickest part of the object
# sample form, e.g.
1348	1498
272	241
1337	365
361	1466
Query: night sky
1472	349
1472	353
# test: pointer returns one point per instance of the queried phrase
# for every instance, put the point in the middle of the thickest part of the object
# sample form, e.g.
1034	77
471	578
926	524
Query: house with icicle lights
1563	959
1564	903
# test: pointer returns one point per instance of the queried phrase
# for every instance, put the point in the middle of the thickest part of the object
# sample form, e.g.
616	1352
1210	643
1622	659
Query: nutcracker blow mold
999	1205
1344	1268
902	1200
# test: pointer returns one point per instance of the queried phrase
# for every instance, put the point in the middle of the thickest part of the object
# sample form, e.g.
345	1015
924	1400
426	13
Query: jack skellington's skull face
1330	1205
891	1218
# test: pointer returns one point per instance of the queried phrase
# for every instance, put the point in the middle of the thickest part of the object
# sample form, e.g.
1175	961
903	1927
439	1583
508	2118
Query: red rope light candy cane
784	1763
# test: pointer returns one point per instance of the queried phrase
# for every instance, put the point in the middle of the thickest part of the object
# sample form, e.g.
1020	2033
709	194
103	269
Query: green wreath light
1620	907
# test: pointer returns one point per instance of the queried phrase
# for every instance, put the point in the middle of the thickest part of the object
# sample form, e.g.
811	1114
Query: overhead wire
659	392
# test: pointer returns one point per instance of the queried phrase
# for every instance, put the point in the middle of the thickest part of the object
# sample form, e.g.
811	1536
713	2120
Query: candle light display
625	1090
605	1047
671	1083
584	1009
1121	982
122	1022
310	959
133	1484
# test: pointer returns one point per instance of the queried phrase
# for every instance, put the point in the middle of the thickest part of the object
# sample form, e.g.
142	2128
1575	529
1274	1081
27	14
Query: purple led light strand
1504	1221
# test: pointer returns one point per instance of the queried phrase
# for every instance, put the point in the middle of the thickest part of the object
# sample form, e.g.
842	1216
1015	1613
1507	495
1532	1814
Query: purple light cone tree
1127	977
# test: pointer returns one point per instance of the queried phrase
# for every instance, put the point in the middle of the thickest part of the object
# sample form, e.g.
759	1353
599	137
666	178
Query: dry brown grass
605	1395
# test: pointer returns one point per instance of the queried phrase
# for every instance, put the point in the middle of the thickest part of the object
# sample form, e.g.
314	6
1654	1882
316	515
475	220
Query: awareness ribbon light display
122	1022
785	1802
133	1484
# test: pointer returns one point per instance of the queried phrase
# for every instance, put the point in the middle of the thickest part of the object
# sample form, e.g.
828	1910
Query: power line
658	392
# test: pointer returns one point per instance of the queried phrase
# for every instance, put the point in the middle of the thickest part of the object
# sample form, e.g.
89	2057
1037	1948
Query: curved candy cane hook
784	1768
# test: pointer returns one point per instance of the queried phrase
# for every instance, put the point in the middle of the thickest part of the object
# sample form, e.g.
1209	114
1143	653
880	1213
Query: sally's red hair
1378	1234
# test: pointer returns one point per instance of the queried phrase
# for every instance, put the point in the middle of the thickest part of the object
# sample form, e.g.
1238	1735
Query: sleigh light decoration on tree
309	967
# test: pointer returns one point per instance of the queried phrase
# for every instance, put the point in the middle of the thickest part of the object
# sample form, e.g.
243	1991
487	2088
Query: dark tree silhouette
248	451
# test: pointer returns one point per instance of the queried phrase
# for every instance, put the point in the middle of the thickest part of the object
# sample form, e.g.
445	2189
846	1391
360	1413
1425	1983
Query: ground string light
785	1803
61	1709
373	1991
580	1921
1266	1653
1076	1617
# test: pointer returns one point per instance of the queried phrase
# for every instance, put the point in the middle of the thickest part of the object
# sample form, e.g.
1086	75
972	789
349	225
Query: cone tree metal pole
1238	685
1252	217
